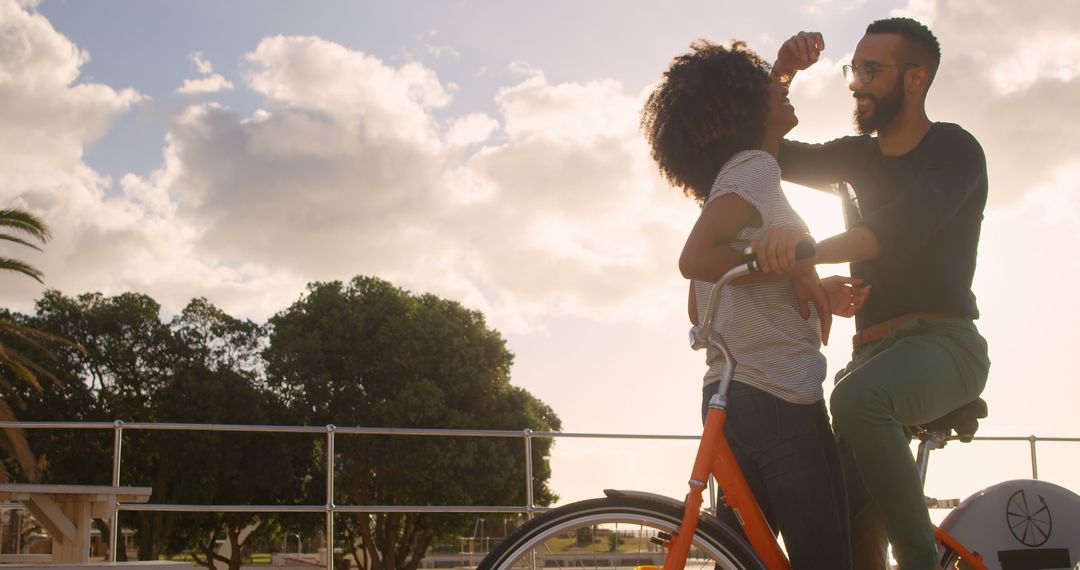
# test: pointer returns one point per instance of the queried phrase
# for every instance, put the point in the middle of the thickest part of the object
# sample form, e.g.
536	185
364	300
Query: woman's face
780	117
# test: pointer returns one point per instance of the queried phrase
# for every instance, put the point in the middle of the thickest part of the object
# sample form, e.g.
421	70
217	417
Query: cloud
346	173
578	112
470	129
209	84
202	64
317	75
442	51
338	174
48	116
818	7
1017	110
519	67
1055	202
1053	56
104	238
576	195
1029	47
924	11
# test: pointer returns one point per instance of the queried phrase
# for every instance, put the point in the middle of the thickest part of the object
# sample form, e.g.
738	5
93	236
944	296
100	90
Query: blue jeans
789	457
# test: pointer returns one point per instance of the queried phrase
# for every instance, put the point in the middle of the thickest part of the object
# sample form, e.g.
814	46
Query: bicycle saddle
963	420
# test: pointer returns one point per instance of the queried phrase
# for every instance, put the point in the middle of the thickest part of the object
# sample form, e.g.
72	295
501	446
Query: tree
369	353
203	366
583	537
218	380
128	360
16	367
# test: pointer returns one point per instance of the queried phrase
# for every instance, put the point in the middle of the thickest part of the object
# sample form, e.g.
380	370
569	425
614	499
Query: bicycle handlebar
700	333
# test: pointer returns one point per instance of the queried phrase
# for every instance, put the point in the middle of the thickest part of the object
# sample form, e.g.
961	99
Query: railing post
529	500
330	496
115	538
1034	460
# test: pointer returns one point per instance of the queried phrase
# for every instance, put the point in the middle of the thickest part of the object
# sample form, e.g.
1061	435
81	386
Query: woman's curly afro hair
711	103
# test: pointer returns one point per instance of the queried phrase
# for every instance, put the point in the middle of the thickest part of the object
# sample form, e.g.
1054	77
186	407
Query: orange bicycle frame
974	560
715	456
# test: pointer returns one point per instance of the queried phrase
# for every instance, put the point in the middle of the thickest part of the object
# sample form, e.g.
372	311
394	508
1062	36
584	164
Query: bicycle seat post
928	441
934	435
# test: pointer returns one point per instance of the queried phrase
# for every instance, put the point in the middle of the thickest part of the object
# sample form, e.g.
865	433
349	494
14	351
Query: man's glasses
865	73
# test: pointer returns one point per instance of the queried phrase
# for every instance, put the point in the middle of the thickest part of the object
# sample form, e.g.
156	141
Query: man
920	188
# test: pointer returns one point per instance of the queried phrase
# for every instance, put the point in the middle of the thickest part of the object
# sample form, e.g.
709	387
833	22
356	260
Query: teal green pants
923	370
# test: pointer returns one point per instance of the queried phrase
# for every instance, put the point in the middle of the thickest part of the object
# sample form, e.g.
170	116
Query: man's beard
885	110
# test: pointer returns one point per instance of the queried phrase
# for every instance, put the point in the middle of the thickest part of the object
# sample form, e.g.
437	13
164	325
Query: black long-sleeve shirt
925	208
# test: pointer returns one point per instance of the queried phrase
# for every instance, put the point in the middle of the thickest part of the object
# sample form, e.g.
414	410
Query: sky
489	152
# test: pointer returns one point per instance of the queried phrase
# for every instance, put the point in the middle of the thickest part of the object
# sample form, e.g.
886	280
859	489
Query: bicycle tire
716	545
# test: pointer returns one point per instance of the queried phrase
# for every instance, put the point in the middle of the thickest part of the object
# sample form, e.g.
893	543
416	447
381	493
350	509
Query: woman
714	125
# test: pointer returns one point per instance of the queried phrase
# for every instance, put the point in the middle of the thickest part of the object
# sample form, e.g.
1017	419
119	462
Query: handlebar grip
803	250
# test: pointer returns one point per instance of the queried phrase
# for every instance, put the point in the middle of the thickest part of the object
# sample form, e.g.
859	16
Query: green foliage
369	353
583	537
614	541
366	353
203	366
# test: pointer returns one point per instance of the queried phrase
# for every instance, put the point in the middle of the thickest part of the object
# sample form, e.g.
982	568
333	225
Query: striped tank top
775	350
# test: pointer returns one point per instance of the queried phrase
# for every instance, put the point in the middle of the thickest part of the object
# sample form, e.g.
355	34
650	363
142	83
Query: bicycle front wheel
615	532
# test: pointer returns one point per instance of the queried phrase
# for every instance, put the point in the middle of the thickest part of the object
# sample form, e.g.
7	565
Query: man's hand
808	289
847	295
776	249
798	53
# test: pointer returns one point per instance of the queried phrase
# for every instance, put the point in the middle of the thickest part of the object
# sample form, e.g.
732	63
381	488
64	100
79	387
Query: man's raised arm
813	165
796	54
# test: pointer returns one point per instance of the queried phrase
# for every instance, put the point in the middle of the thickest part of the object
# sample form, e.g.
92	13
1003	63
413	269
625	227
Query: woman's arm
706	255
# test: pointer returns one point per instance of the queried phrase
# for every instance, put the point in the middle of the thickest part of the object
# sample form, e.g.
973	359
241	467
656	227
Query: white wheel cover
1020	525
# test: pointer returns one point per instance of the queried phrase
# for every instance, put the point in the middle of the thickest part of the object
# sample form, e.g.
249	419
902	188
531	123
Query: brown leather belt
882	330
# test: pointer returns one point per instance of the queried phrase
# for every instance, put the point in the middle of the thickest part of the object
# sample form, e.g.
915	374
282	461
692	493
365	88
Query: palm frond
14	441
34	368
18	240
13	361
20	267
24	367
36	336
6	386
25	222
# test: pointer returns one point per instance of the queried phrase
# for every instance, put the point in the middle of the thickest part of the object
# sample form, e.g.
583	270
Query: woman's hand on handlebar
847	295
776	250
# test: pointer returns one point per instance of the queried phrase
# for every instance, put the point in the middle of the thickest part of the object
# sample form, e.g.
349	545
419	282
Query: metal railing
331	431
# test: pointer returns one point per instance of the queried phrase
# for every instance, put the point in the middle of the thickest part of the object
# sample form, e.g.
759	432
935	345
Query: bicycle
680	532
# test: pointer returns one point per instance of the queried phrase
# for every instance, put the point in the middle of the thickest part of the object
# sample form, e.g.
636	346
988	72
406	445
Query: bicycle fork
715	456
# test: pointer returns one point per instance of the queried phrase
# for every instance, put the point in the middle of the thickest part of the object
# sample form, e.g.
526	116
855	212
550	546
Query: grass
569	544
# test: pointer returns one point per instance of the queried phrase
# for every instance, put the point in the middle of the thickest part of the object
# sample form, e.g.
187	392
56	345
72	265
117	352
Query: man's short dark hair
711	103
919	46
